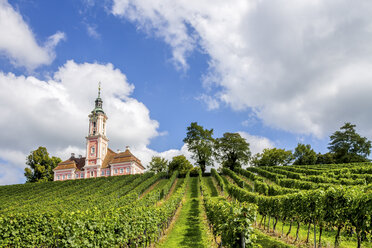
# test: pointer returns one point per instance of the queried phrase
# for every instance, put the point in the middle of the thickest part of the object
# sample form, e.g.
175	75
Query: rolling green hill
265	206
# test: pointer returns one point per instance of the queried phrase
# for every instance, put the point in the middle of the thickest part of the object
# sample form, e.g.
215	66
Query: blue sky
266	70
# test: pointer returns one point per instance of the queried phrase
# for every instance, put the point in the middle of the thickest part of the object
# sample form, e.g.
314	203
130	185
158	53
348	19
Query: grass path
189	229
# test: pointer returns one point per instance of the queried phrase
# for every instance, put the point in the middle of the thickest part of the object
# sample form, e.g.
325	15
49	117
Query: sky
279	72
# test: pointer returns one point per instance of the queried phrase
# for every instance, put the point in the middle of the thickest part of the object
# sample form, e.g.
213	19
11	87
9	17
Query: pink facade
100	161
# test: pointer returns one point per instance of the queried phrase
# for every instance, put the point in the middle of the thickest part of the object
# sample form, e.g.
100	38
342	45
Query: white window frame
77	175
128	170
116	171
121	170
108	172
63	177
58	177
68	176
81	175
102	173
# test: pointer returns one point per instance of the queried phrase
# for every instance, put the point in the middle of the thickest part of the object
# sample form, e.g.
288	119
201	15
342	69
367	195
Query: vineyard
292	206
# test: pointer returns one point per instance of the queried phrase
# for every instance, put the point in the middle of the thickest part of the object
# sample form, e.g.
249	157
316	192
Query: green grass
267	241
210	186
162	183
179	183
189	229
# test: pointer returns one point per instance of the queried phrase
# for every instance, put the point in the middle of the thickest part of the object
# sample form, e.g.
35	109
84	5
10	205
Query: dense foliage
158	164
229	220
40	166
348	146
272	157
200	143
232	150
179	163
304	155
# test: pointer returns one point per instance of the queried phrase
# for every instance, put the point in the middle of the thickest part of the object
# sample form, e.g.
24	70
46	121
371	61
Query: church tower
96	140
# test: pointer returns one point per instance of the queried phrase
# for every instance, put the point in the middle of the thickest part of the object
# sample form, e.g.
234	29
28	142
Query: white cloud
300	66
145	154
54	114
211	102
92	31
14	157
18	43
257	143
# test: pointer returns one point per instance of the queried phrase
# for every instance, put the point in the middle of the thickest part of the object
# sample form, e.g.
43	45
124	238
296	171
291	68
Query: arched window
92	174
92	150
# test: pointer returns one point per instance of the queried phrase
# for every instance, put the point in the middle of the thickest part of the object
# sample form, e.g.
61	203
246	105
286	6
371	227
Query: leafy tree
348	146
304	155
179	163
272	157
232	150
158	164
40	165
326	158
200	143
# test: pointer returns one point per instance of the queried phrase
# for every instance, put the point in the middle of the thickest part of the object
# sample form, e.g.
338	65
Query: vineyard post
159	232
242	240
320	235
308	232
314	233
145	237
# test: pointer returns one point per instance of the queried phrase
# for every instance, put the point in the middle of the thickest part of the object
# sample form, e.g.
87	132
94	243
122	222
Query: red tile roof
126	156
110	158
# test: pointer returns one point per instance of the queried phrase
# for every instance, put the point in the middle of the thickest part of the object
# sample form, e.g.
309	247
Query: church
100	161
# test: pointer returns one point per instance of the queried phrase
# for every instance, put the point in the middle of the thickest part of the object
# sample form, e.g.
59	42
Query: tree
158	164
326	158
200	143
348	146
41	165
179	163
272	157
304	155
232	150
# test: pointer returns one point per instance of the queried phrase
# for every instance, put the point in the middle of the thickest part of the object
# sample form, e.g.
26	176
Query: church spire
98	107
99	89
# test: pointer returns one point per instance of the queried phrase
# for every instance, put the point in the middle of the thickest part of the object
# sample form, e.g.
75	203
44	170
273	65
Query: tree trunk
298	229
282	229
320	236
308	233
290	228
337	239
359	238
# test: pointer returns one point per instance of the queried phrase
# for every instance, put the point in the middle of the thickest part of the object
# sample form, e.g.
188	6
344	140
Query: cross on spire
99	89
